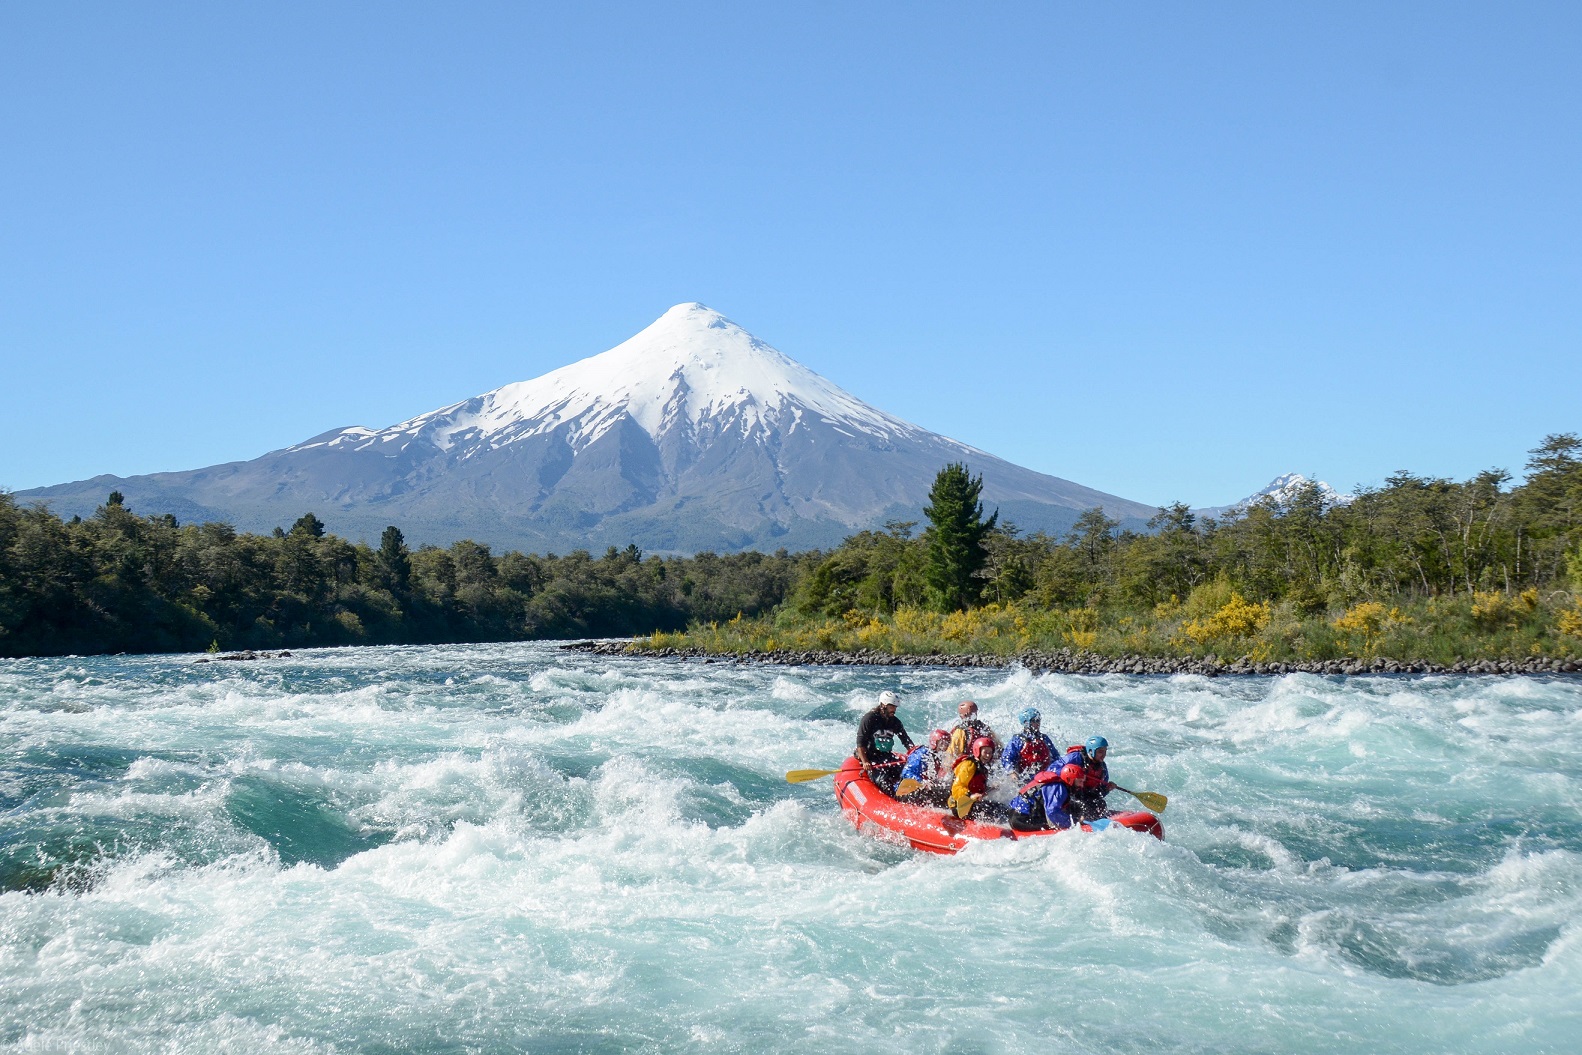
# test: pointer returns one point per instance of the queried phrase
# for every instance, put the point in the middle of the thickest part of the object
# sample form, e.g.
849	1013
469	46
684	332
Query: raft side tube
936	831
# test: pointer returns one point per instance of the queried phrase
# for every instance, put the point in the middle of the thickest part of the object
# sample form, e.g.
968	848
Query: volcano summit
692	435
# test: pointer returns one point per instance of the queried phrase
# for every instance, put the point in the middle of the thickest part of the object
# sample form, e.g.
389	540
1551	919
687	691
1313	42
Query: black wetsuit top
876	731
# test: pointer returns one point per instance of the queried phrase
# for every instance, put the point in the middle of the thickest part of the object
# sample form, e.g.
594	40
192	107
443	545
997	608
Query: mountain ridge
693	434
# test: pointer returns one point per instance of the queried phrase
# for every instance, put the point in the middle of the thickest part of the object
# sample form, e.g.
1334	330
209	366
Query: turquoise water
508	848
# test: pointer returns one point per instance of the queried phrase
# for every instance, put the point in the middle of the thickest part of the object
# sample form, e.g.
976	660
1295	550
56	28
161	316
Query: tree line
121	582
1413	538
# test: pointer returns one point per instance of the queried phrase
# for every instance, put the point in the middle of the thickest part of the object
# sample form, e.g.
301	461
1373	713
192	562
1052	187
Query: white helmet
889	699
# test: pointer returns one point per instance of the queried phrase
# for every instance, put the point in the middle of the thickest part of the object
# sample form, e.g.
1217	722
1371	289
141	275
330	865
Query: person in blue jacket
926	764
1041	803
1069	791
1029	751
1084	771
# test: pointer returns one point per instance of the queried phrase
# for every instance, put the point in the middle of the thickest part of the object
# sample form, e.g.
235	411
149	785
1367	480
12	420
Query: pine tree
955	539
395	560
308	524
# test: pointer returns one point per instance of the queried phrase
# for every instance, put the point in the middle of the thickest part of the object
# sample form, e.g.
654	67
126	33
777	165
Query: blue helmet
1095	743
1028	716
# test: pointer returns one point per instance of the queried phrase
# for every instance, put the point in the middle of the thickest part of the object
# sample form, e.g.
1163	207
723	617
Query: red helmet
1071	773
938	738
982	741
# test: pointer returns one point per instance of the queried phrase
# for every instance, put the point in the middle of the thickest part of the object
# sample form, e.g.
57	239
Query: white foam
603	855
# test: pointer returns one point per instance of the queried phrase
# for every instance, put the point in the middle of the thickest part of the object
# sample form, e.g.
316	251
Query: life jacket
1047	776
1043	799
980	780
1094	774
1036	753
964	733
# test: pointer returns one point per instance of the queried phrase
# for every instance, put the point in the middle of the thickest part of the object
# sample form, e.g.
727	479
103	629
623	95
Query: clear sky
1165	250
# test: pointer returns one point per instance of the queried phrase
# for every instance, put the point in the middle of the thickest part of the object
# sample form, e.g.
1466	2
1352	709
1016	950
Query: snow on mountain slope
692	368
1281	491
691	435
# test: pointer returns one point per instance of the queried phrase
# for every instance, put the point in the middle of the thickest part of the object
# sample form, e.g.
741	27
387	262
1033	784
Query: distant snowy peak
692	369
1281	492
1282	489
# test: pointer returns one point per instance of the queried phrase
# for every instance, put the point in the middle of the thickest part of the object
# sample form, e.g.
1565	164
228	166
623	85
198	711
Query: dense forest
1413	538
1420	566
119	582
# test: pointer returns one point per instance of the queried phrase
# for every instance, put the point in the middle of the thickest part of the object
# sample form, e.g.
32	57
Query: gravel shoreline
1065	661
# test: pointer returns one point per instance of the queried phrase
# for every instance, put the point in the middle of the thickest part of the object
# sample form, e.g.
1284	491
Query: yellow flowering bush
959	626
1492	608
1367	619
1370	619
916	621
1083	618
1237	618
872	632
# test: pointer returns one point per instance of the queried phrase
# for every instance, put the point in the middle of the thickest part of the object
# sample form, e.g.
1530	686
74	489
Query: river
510	848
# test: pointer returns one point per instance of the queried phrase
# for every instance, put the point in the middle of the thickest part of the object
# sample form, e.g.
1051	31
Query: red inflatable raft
937	831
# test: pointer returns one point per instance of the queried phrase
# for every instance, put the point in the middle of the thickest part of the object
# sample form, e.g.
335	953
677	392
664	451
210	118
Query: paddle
802	776
907	787
1152	799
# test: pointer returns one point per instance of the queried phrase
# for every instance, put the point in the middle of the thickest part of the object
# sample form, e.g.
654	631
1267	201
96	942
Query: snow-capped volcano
692	369
692	435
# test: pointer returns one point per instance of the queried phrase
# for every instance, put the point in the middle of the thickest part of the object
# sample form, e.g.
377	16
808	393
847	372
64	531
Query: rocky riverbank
1066	661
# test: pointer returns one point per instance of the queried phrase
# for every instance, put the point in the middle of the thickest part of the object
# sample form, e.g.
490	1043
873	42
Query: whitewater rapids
508	848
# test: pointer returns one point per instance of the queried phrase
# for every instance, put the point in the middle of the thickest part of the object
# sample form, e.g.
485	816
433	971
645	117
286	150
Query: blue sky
1165	250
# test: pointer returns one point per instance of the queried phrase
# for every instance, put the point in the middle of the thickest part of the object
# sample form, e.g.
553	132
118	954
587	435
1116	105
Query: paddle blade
906	787
1151	799
802	776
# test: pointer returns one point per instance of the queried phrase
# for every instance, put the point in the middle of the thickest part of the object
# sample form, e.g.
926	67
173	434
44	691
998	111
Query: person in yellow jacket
968	728
971	777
